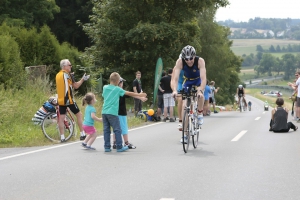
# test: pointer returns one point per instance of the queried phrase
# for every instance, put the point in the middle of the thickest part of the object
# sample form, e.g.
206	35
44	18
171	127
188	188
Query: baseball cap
122	79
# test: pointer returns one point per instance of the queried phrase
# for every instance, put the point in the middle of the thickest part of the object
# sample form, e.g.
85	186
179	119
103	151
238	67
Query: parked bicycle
190	127
50	126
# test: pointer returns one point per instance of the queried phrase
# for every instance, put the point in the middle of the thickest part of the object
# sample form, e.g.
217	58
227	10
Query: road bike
190	127
50	126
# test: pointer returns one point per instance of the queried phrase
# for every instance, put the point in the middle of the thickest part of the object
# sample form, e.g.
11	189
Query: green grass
19	106
271	100
248	46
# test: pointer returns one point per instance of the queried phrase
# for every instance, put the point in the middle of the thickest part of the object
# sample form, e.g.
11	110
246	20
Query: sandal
296	128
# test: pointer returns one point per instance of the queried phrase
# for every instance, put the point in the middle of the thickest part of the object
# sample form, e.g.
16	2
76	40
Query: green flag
158	72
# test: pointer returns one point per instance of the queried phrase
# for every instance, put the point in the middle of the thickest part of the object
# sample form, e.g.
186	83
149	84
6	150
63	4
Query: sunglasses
187	59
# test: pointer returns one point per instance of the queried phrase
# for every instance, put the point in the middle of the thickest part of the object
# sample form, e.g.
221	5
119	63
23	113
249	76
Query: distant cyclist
249	105
194	74
240	92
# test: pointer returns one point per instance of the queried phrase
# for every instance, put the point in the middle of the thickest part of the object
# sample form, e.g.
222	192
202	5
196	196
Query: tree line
278	49
116	35
274	28
266	63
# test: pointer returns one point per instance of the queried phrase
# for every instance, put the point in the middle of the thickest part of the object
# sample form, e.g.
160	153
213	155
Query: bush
12	73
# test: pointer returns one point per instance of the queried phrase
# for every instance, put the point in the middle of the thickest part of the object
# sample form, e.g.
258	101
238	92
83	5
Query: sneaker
122	149
216	111
200	119
180	127
63	140
83	144
158	119
114	146
107	150
89	147
172	120
164	119
185	140
82	137
167	118
130	146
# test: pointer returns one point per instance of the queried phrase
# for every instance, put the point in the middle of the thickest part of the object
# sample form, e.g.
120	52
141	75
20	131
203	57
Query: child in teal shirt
111	94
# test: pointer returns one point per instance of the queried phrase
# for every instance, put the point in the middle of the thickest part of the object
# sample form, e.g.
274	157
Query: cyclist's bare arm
202	69
176	72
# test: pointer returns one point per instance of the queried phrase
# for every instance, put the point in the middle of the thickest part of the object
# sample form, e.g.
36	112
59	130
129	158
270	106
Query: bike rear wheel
186	131
50	127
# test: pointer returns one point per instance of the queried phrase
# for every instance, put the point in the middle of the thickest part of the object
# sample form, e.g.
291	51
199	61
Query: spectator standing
167	94
207	92
137	88
89	120
65	83
212	99
111	94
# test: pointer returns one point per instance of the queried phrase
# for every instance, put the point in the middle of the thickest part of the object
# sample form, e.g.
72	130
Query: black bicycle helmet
188	52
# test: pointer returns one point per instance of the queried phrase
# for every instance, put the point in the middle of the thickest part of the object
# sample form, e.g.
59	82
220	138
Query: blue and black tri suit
191	74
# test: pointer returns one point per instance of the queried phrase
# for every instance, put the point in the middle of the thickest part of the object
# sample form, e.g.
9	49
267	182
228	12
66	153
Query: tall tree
289	65
29	12
64	25
266	63
131	35
221	64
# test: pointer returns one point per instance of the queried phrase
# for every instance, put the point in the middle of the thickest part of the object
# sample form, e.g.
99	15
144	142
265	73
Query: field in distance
248	46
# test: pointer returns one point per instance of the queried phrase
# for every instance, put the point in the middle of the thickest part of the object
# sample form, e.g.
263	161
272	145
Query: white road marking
264	112
63	145
236	138
257	118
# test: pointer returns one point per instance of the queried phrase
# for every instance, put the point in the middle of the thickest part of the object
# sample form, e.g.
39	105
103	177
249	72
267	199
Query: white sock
62	137
82	133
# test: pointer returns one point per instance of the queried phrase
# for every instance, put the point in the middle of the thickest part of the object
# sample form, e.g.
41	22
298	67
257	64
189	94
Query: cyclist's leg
245	102
179	107
74	109
62	115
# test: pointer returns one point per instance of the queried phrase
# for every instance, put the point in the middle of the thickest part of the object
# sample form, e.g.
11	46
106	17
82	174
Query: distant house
280	34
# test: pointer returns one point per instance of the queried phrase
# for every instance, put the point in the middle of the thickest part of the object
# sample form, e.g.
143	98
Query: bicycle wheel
186	131
50	127
196	128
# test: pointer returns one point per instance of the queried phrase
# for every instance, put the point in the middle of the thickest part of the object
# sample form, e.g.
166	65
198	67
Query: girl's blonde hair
88	98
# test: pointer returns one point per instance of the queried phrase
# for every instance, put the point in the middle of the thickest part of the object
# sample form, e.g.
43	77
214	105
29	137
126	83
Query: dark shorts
188	84
212	100
298	102
73	107
160	101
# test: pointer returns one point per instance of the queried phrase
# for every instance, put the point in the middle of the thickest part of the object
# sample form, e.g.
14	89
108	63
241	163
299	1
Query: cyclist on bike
240	92
194	75
249	104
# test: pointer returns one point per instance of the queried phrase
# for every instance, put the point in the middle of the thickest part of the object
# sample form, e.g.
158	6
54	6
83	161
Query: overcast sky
243	10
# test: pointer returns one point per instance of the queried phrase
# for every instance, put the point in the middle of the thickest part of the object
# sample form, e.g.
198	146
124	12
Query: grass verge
19	106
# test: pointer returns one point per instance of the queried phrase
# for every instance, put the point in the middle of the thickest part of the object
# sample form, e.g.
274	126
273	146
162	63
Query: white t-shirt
298	84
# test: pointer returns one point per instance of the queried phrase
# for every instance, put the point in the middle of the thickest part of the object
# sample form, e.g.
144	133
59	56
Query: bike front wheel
195	136
50	127
186	131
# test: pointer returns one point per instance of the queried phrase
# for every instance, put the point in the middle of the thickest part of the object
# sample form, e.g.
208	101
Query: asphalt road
237	158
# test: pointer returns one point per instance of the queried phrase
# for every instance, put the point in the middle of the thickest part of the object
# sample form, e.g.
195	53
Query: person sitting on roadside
48	106
279	118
